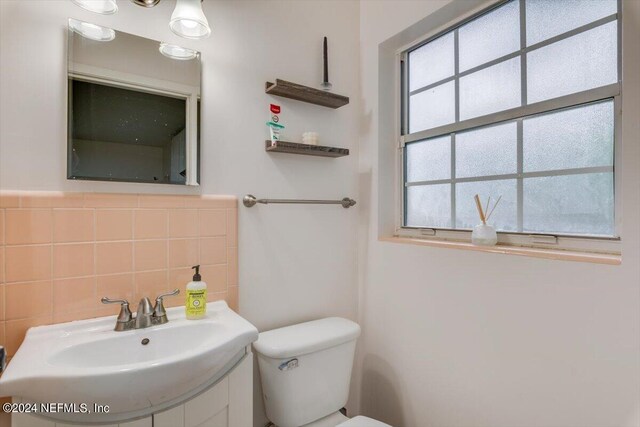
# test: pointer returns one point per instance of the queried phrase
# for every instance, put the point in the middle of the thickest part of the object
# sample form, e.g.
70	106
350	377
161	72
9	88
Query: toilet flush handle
288	365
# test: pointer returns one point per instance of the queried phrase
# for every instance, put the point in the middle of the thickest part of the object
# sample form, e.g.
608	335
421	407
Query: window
520	102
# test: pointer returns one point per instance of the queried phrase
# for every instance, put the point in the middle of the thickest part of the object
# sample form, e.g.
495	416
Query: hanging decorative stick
494	208
325	80
480	212
325	85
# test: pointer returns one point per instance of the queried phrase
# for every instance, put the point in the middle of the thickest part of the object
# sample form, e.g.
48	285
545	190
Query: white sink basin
88	362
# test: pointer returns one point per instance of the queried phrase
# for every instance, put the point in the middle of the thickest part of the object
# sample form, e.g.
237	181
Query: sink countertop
86	361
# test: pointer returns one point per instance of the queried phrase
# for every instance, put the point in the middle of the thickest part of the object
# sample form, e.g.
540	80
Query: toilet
305	371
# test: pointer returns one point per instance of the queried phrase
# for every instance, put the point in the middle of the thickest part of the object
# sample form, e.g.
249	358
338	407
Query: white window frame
609	245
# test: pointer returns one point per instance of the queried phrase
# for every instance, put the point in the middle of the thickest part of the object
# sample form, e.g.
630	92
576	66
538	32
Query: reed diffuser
485	234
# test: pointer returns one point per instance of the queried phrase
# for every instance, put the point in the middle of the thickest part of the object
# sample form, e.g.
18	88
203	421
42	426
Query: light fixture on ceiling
92	31
146	3
176	52
104	7
188	20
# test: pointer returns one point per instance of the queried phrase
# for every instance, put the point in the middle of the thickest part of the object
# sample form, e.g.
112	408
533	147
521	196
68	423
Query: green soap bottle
196	304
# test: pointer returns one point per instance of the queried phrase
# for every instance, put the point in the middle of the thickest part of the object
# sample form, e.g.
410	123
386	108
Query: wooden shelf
306	94
305	149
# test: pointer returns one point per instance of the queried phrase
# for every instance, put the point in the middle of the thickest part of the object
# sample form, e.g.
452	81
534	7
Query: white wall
296	262
459	338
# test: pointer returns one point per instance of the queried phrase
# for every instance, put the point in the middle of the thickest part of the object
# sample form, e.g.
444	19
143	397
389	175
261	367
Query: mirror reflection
133	112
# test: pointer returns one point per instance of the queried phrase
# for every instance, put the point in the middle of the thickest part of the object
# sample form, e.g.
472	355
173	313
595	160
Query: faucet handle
125	313
159	310
3	359
176	291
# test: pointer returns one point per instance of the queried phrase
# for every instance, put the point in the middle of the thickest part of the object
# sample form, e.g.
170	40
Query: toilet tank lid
305	338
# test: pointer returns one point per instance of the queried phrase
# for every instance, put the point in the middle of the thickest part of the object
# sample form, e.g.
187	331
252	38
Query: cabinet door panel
173	417
202	407
221	419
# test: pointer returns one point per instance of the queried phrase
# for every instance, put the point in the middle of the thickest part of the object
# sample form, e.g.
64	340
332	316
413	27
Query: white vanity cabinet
228	403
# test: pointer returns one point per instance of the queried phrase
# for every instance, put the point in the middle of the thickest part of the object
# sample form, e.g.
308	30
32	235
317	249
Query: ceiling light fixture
176	52
188	20
92	31
146	3
103	7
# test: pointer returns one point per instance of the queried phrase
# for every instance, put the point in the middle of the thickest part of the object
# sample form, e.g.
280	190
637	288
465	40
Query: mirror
133	108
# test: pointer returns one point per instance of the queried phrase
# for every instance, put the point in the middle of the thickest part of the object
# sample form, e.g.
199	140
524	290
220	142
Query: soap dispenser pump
196	304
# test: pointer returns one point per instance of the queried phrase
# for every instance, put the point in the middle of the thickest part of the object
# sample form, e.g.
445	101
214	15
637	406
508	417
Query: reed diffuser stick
486	207
494	208
480	211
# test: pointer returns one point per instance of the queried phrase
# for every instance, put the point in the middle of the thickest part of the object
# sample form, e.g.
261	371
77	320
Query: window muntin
544	144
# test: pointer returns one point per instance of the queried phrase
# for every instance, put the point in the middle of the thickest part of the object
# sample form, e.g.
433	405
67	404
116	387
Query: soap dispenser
196	304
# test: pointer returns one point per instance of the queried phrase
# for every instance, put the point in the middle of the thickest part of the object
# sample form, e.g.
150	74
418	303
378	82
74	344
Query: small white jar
484	235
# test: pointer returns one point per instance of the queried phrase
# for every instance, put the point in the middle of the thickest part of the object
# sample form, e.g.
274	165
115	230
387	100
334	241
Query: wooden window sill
556	254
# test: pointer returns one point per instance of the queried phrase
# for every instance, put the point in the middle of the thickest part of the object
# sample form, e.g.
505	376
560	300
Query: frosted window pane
487	151
584	61
490	90
549	18
429	206
572	204
505	215
576	138
432	108
429	160
432	62
490	36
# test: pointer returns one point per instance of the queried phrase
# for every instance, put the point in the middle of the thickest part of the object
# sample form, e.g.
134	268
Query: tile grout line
166	233
50	256
95	254
4	269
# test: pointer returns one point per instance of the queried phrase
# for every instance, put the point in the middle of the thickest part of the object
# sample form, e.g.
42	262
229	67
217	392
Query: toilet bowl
305	370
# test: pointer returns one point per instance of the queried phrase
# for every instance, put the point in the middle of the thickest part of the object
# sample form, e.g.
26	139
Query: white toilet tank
305	369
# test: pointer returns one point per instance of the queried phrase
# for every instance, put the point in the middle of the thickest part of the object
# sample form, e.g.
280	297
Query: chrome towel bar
250	200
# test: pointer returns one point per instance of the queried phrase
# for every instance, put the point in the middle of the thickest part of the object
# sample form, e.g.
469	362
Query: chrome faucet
145	315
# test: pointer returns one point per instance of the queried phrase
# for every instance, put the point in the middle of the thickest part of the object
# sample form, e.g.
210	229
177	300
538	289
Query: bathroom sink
135	372
123	349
